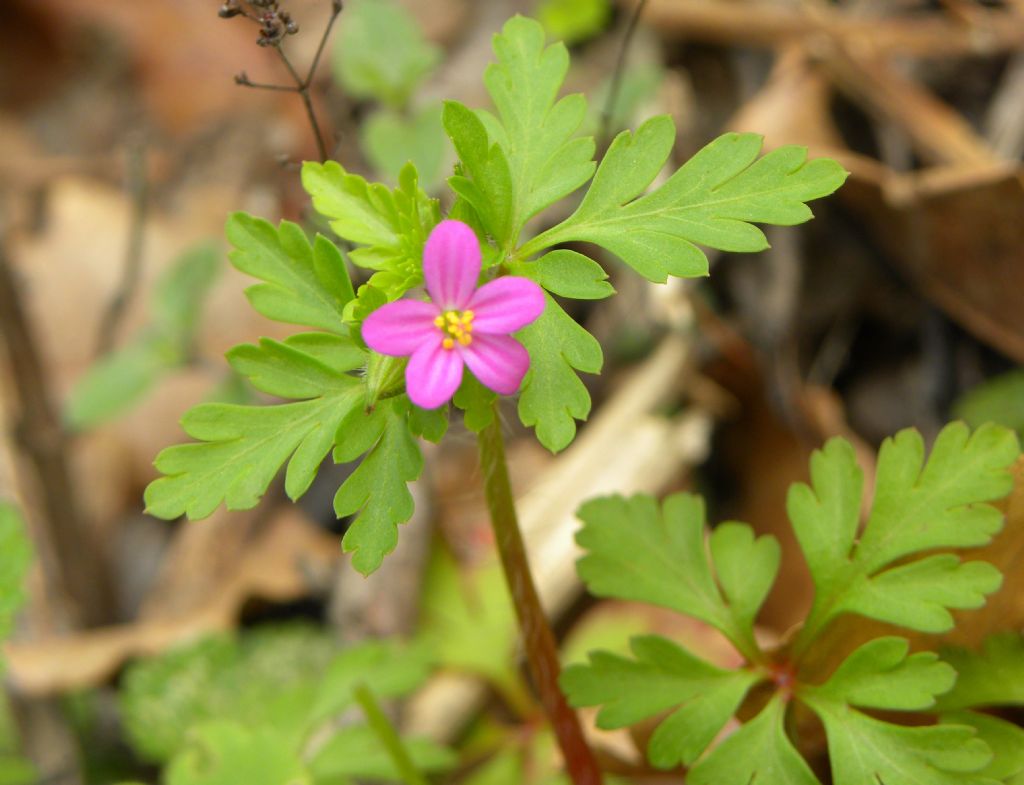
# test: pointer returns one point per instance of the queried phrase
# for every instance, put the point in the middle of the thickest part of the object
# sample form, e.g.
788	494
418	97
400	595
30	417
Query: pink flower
463	325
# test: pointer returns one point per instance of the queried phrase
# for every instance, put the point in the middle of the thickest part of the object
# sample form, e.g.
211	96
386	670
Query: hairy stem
538	640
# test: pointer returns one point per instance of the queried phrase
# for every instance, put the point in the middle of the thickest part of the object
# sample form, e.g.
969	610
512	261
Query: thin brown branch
608	112
138	190
80	574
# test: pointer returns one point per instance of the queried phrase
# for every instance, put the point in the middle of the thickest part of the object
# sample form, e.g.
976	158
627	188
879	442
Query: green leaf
180	292
392	670
462	608
567	274
429	424
380	52
282	369
243	447
993	676
663	676
713	200
477	403
862	749
119	380
636	551
392	225
535	131
355	752
1004	738
759	752
391	140
553	396
999	399
268	678
917	507
574	20
376	491
880	675
483	179
229	753
15	557
303	284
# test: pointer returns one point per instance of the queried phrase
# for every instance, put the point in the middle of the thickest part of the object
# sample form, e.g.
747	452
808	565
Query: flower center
456	326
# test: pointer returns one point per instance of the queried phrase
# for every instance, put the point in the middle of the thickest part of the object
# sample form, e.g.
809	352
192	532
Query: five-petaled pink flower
463	324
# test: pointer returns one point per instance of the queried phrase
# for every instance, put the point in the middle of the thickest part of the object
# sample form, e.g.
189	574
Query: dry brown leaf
278	564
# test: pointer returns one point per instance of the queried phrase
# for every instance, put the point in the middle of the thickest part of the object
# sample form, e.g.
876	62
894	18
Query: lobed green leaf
662	676
376	491
636	551
759	752
713	199
302	283
552	396
917	507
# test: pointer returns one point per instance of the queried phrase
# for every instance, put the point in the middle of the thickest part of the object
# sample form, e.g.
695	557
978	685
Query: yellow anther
456	328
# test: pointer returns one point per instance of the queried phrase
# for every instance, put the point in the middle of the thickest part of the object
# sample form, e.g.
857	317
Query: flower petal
497	361
451	264
401	327
505	304
433	375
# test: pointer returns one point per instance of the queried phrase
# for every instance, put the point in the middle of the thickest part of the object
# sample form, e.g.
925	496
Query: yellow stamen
456	327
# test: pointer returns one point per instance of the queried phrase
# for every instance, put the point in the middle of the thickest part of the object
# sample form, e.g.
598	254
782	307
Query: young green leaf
120	379
567	274
862	748
553	396
713	199
283	369
535	131
574	20
663	676
15	557
636	551
993	676
759	752
376	491
180	292
917	507
303	284
391	140
391	225
380	52
483	179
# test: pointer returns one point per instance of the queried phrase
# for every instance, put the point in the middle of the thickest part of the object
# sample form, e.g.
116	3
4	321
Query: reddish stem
538	640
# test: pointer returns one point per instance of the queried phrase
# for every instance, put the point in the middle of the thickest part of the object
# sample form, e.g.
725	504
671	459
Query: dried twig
275	25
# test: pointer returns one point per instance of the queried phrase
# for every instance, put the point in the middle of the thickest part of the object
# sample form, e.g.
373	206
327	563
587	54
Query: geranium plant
459	310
